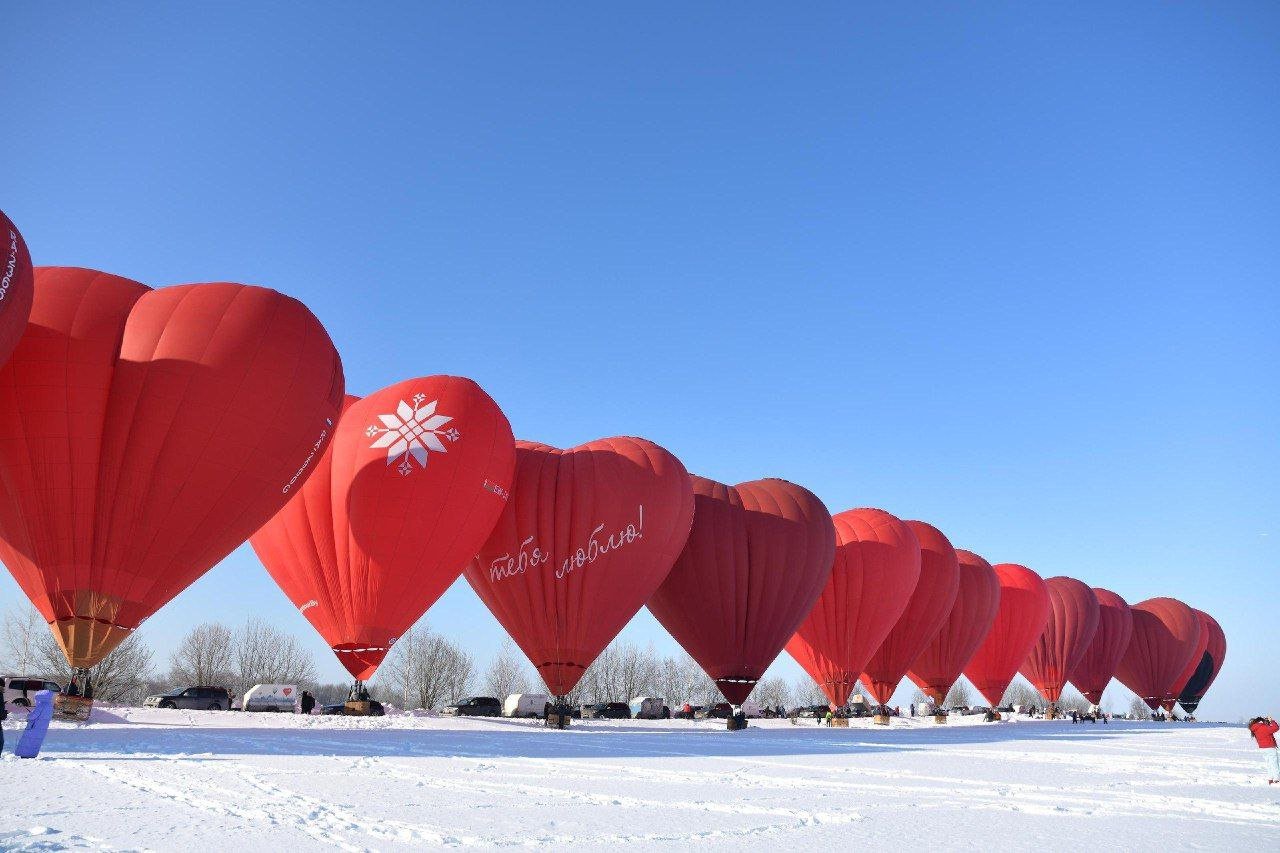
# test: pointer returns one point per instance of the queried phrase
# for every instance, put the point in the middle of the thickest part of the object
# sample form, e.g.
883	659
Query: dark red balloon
406	494
757	558
1023	612
927	610
144	434
1166	633
17	286
876	568
1098	664
1210	664
586	538
939	666
1072	623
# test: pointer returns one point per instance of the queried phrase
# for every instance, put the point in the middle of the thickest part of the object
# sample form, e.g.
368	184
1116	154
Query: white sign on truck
270	697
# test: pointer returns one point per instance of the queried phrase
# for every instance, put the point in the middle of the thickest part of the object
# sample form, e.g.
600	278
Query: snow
160	780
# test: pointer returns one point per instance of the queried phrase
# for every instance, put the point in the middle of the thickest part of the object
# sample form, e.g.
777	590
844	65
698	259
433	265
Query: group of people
1089	716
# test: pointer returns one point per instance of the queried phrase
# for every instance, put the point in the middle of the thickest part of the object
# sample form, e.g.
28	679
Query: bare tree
621	672
1021	693
263	654
507	672
807	692
123	677
680	679
1138	709
204	657
23	629
1071	700
959	696
772	692
426	670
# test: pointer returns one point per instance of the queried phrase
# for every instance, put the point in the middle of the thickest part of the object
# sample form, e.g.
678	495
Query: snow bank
146	777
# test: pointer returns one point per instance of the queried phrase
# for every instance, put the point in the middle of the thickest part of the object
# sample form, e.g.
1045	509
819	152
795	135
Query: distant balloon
1206	672
586	538
877	566
406	494
1098	664
939	666
927	610
17	286
1166	634
1073	621
147	434
1024	610
757	558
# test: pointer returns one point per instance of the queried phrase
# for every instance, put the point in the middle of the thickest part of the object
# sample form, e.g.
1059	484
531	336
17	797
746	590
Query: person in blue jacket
37	726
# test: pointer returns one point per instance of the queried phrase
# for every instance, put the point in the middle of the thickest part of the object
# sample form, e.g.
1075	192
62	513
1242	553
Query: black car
340	708
474	706
690	714
718	711
607	711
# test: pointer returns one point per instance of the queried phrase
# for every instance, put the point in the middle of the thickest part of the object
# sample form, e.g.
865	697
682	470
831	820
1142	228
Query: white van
646	708
526	705
270	697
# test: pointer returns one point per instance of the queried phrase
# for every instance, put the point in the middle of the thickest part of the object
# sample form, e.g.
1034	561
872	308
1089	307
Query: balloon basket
880	719
940	719
734	724
1051	714
357	709
558	721
840	722
74	708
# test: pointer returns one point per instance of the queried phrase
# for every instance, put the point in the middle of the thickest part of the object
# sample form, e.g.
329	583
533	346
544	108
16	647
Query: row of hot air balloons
144	434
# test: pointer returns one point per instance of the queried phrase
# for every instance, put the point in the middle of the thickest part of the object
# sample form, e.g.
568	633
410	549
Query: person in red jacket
1264	731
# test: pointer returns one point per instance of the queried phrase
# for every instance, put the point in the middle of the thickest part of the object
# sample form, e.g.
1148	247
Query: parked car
193	698
681	714
818	711
718	711
474	706
21	690
270	697
340	708
607	711
531	705
648	708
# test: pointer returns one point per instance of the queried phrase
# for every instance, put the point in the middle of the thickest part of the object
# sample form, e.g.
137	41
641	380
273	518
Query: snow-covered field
176	780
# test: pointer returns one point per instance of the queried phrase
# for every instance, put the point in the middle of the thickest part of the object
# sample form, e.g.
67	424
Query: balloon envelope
1098	664
407	492
1210	664
587	535
1202	645
17	286
1165	636
876	567
144	434
926	611
938	667
1023	611
757	558
1072	623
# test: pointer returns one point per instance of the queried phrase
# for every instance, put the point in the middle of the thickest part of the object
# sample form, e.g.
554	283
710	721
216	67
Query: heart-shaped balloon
876	567
408	491
144	434
587	536
17	284
757	558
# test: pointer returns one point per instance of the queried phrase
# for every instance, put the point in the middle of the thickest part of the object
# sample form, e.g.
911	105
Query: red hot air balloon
17	285
1073	621
1202	645
876	568
757	557
144	434
1098	664
1210	664
927	610
1024	609
938	667
1165	636
409	489
587	536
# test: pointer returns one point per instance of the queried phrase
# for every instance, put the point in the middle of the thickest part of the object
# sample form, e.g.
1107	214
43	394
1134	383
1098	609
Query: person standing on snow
4	714
1264	731
308	702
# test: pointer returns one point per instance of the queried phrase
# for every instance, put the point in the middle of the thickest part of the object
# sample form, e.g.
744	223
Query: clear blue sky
1010	270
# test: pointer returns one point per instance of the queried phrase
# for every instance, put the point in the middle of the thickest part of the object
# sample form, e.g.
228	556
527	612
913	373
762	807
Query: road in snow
173	780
